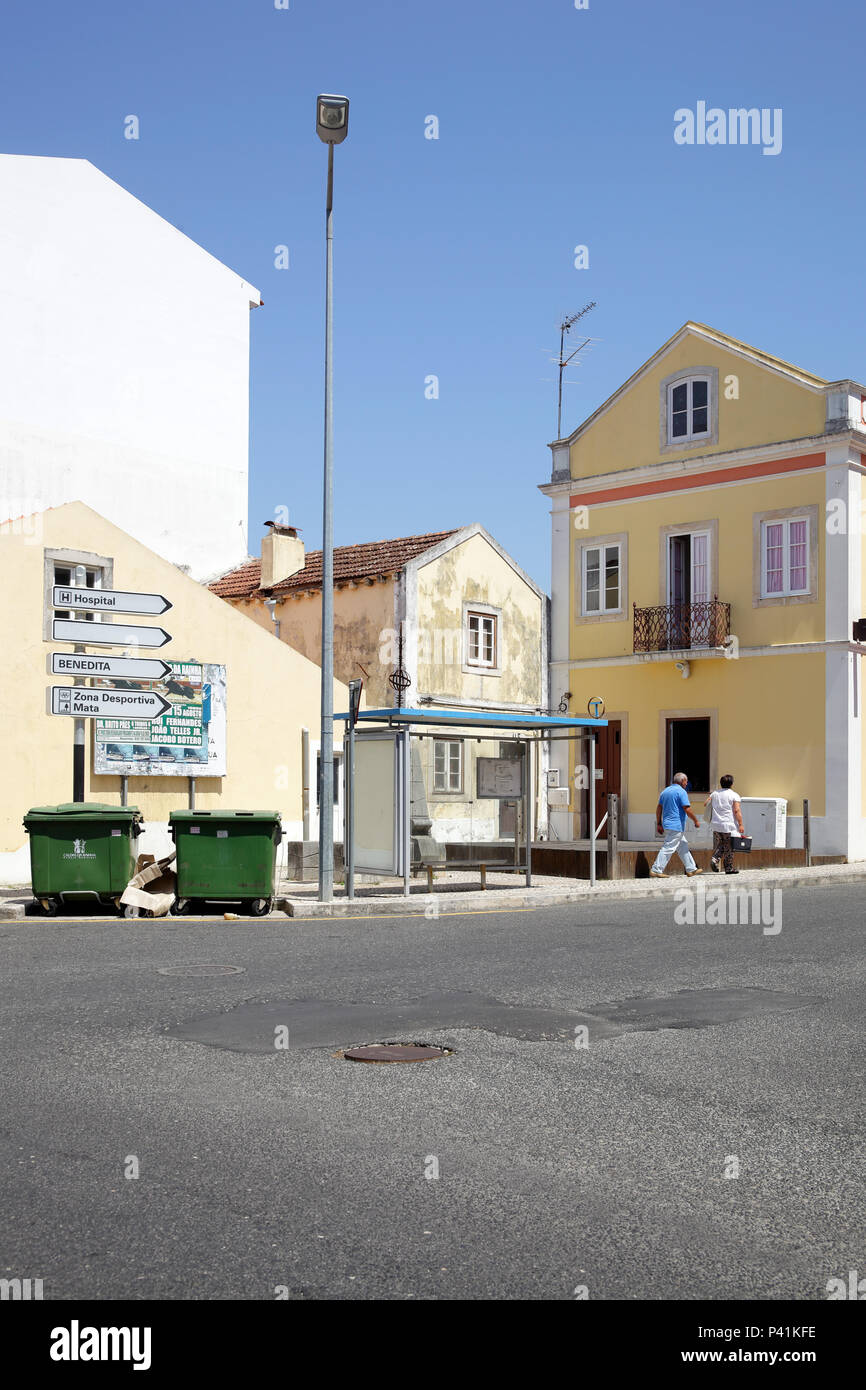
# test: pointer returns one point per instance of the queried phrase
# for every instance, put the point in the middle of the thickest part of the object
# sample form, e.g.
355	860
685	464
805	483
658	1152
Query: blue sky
454	257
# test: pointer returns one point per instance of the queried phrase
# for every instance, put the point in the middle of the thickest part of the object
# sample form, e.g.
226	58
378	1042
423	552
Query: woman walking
726	820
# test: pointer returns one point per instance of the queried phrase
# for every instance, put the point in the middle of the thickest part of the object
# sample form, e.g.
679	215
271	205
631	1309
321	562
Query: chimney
282	554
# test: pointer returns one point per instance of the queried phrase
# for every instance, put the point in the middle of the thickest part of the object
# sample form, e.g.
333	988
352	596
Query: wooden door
608	761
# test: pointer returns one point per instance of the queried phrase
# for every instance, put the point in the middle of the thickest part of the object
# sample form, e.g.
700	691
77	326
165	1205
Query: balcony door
688	584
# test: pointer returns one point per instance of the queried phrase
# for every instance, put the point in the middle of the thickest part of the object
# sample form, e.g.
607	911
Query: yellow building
451	609
707	572
271	691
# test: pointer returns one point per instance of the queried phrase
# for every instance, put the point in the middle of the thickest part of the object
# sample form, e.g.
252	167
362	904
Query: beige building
271	692
451	610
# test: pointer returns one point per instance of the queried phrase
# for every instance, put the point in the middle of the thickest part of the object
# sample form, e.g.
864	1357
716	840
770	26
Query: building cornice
711	654
695	465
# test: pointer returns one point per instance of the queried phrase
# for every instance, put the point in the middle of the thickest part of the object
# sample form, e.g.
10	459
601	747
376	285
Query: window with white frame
81	577
481	639
601	580
785	557
447	765
689	409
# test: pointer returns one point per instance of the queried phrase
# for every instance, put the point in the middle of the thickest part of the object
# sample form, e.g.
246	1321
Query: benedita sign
736	126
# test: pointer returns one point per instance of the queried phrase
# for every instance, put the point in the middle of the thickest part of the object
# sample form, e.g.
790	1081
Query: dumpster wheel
48	906
260	907
180	907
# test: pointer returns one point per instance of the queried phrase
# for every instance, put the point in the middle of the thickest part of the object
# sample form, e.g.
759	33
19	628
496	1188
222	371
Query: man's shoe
714	866
690	873
732	871
657	873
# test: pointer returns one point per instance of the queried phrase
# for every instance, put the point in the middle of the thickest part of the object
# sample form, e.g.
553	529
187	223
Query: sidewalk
503	892
455	893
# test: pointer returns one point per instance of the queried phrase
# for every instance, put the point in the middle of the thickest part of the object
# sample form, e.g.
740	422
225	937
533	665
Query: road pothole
698	1008
310	1023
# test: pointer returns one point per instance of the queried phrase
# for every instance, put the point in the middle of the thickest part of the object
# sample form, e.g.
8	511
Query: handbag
741	844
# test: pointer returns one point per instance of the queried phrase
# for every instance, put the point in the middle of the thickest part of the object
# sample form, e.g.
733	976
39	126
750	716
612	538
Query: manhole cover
201	972
395	1052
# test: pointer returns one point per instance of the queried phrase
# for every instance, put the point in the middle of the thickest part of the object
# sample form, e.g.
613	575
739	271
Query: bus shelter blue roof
483	719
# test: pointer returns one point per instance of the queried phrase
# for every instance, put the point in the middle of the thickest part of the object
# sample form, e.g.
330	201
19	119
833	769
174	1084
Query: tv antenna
565	327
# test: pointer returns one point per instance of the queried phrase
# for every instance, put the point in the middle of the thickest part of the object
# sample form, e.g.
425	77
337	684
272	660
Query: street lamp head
332	119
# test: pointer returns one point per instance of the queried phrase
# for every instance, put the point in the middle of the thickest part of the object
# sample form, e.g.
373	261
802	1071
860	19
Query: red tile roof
368	561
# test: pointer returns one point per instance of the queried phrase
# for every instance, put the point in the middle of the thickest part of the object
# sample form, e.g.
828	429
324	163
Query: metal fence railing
681	626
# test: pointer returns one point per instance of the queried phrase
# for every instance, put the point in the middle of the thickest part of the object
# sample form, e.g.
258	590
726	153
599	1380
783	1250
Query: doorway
688	572
687	749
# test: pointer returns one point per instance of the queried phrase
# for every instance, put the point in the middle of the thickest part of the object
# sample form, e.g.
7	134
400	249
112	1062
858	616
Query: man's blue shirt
673	801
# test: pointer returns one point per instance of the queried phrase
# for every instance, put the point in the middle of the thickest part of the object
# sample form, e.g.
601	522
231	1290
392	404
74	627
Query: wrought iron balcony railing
674	627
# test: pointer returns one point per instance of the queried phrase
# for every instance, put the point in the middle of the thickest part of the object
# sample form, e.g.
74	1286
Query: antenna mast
565	327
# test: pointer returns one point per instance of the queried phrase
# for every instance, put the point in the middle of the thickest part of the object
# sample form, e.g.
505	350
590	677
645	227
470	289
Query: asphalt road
265	1168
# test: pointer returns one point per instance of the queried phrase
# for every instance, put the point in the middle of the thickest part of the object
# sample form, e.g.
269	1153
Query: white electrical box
553	777
765	819
557	797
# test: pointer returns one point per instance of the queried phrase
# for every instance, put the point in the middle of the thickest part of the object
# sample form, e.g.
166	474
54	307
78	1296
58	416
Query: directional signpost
107	634
108	601
84	703
108	667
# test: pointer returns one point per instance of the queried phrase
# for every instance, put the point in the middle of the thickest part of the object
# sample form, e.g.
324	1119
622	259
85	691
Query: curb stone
517	898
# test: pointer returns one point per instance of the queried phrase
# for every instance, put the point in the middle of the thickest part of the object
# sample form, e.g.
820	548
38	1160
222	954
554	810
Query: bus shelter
394	786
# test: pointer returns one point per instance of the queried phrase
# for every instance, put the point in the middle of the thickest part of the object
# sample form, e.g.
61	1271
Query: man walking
671	812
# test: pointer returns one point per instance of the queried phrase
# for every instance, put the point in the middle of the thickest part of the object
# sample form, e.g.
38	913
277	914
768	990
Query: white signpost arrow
107	634
105	667
107	600
83	703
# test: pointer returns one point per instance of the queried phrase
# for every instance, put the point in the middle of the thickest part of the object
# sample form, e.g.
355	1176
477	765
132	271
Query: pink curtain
773	535
797	555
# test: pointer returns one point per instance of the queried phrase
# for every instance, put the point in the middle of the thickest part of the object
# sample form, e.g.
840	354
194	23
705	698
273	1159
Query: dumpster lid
86	808
224	815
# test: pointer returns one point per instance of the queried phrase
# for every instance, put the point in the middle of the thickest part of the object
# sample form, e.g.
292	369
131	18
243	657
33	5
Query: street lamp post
332	123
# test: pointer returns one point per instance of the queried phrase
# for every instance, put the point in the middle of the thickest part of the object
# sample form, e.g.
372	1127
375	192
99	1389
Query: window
447	765
73	569
335	769
601	579
688	409
80	577
785	557
482	639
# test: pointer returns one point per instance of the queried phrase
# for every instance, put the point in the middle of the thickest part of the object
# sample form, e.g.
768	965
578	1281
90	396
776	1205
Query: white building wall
124	365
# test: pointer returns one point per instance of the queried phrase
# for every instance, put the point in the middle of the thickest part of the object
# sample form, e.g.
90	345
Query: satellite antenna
565	327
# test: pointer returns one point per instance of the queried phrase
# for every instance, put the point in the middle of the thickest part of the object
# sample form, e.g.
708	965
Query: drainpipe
271	605
305	782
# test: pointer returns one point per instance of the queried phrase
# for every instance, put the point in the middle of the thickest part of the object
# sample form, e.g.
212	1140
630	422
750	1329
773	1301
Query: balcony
679	627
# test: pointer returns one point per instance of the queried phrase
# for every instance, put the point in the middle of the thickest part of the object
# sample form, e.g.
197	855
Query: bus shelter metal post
407	812
592	809
349	816
528	799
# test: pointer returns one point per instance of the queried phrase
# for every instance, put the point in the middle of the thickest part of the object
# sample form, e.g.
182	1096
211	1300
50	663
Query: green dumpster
83	850
226	856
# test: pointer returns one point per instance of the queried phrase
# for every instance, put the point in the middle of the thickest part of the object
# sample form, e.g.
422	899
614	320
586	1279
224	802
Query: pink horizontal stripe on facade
720	475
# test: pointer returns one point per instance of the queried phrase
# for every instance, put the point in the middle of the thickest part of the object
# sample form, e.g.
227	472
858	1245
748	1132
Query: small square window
688	410
80	577
481	643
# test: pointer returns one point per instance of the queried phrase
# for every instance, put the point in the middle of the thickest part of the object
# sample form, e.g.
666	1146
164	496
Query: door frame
695	713
582	814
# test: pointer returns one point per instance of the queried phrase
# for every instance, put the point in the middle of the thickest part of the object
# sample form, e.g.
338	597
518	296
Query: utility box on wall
765	819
